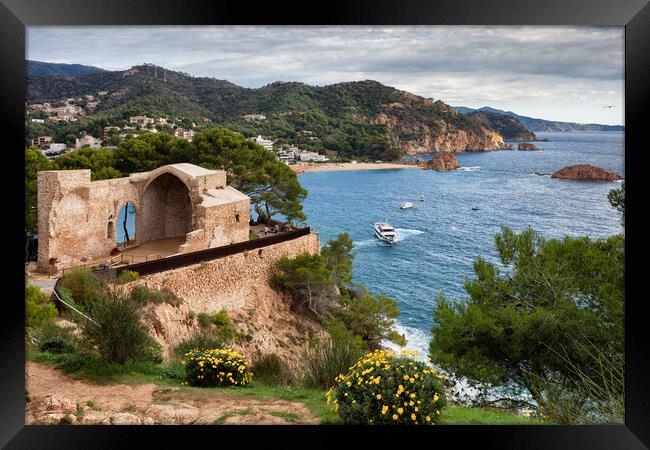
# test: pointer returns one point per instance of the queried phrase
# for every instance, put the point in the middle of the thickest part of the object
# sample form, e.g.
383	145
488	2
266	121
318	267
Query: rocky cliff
586	172
442	161
527	147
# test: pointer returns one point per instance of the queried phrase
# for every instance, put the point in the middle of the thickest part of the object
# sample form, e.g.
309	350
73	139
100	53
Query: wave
470	168
416	341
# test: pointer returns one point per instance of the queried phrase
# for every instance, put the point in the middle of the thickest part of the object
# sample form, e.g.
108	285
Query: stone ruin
78	218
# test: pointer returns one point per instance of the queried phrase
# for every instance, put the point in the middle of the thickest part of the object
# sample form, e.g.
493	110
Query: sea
439	238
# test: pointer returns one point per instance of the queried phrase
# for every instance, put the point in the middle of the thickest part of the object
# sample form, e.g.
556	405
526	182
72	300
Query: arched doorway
126	223
166	209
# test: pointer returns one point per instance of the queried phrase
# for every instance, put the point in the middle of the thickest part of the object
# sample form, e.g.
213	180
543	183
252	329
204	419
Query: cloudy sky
556	73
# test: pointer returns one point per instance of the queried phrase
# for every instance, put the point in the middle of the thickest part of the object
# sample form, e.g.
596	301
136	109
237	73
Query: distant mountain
38	69
534	124
510	128
363	119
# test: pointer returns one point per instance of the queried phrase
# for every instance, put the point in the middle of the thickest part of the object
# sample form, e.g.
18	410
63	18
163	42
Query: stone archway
166	209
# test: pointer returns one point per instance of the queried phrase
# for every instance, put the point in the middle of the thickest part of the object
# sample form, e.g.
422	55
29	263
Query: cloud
459	64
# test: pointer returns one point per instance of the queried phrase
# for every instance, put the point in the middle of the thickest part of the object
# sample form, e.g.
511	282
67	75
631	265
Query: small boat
475	208
385	232
421	197
405	205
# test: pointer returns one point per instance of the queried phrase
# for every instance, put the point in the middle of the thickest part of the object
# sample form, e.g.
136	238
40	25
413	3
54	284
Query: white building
266	143
88	140
184	133
38	120
312	156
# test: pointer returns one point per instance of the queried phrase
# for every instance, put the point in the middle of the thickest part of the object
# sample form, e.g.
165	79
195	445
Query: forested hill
534	124
38	68
361	119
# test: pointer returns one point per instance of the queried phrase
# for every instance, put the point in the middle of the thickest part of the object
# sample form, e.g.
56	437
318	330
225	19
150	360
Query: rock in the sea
442	161
508	147
526	146
586	172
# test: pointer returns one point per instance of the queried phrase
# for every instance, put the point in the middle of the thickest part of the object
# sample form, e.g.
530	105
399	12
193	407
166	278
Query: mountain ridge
536	124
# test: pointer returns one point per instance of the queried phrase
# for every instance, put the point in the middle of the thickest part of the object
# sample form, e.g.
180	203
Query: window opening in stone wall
126	223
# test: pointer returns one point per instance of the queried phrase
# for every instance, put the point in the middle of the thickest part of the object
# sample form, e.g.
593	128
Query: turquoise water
440	237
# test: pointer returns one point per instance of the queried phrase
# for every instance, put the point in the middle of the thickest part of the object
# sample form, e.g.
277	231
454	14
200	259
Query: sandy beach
331	167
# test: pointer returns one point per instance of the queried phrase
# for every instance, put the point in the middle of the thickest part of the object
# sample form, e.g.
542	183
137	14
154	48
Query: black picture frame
15	15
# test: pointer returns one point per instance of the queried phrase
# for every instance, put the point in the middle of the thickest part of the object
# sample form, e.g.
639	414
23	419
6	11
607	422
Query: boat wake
403	233
470	169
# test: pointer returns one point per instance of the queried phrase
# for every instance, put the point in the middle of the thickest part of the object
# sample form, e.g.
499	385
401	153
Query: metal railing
186	259
57	296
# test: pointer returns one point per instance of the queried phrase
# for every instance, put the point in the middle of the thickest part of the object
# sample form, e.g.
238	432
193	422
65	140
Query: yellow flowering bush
216	367
384	388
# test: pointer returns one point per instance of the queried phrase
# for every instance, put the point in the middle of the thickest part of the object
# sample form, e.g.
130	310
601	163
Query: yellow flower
394	416
436	397
378	396
413	395
400	410
384	409
413	416
428	418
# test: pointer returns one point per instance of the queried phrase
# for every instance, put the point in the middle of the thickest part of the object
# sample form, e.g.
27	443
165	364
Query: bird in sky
609	106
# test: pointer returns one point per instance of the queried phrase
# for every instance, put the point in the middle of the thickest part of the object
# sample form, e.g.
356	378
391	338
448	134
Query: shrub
142	294
382	388
216	367
84	287
152	351
127	276
118	334
325	360
270	370
201	340
38	307
204	320
55	339
226	330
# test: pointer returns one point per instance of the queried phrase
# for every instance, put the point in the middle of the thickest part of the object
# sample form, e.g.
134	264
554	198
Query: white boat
405	205
385	232
421	197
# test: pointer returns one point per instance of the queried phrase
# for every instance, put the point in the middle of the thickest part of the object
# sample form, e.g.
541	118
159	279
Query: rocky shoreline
585	172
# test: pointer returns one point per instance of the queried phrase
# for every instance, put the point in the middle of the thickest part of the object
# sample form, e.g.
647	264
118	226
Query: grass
461	415
93	369
221	420
289	417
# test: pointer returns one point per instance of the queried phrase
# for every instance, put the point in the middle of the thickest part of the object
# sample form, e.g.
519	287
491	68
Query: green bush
127	276
141	294
84	287
38	307
56	339
216	367
118	335
204	320
152	351
224	329
327	359
270	370
200	340
382	389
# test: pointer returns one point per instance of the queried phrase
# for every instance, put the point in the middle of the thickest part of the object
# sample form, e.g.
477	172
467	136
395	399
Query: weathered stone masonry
77	217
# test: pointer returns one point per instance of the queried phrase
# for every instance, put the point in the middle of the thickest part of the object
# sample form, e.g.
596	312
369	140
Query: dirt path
57	398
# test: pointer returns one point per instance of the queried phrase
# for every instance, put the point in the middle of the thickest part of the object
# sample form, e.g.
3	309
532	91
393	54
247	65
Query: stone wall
77	218
239	284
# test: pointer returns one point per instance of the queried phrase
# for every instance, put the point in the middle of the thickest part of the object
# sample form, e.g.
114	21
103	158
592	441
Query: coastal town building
308	156
141	120
184	133
182	205
89	141
41	141
266	143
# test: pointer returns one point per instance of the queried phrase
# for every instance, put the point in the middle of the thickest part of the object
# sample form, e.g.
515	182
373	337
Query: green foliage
201	340
370	317
204	320
513	325
221	326
118	334
308	280
616	198
126	276
338	257
55	339
83	285
142	294
270	370
327	359
38	307
384	389
217	367
35	162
